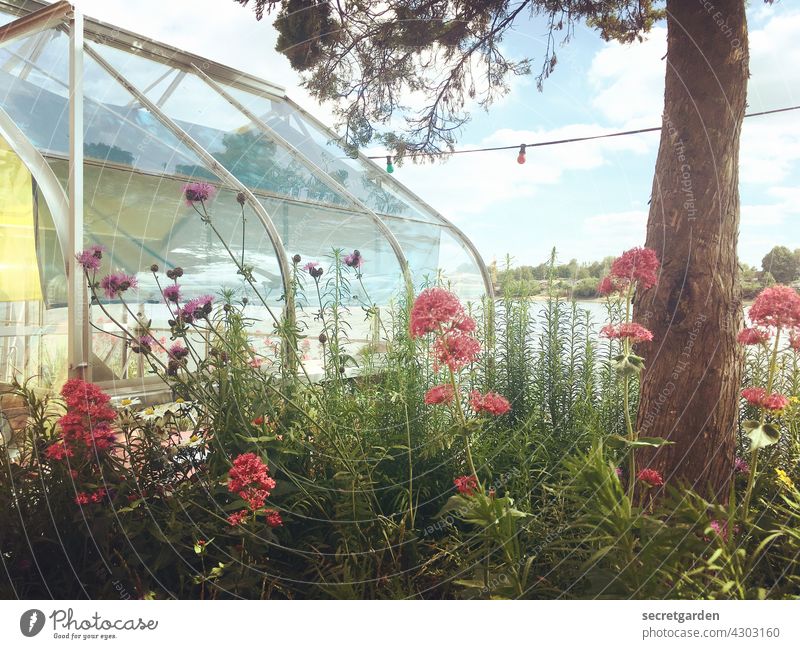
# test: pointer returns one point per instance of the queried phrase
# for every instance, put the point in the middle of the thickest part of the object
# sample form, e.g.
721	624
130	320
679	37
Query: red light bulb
521	156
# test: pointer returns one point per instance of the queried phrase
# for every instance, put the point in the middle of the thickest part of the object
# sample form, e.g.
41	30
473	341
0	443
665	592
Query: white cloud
628	80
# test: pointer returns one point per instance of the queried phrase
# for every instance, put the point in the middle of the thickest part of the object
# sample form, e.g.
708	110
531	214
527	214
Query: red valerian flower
86	426
91	258
741	466
633	330
776	306
606	286
249	479
433	309
794	341
650	477
466	484
754	396
490	402
237	518
84	498
439	394
117	283
258	421
455	349
273	518
198	192
636	265
752	336
774	401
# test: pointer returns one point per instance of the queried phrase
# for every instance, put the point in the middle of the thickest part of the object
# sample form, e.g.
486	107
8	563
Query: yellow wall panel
19	270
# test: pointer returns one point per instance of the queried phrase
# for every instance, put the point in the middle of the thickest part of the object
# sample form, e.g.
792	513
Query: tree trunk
690	387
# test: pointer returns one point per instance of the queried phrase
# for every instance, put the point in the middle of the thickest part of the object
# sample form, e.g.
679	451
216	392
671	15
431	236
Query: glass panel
435	253
34	88
370	184
240	146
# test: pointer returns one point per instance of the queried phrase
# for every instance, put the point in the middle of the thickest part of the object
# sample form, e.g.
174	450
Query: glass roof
317	195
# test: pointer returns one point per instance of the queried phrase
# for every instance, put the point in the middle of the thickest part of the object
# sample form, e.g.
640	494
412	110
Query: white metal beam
77	292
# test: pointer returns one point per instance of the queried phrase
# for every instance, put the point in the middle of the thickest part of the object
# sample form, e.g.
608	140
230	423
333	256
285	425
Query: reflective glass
369	183
225	132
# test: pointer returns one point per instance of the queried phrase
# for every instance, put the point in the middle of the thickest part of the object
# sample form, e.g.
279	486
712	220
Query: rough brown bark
689	389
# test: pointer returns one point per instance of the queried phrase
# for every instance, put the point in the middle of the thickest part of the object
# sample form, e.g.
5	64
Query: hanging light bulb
521	156
389	165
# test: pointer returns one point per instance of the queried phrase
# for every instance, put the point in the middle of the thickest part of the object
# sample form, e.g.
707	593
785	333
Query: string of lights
523	147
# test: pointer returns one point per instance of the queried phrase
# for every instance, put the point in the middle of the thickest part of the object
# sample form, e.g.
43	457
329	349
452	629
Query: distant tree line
581	279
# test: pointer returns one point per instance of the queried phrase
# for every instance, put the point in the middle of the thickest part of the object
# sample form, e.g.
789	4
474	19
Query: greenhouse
101	130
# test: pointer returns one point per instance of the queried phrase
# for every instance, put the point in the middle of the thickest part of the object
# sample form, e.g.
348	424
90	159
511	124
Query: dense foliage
454	460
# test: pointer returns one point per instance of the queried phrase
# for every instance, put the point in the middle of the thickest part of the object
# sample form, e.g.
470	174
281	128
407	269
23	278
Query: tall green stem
773	365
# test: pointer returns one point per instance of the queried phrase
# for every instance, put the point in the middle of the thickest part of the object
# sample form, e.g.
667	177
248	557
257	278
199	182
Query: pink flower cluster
435	310
466	484
650	477
455	349
86	426
637	266
775	308
491	403
759	398
249	479
440	394
631	330
439	311
84	498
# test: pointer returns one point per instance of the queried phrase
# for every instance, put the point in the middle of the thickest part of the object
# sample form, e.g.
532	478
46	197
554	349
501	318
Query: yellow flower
179	400
784	478
126	402
149	411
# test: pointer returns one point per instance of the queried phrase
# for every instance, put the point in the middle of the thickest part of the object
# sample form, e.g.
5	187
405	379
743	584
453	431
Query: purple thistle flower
178	351
198	192
312	265
91	258
196	308
117	283
172	293
354	260
143	344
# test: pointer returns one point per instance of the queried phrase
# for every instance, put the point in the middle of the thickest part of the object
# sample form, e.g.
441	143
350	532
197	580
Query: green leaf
618	441
763	436
749	424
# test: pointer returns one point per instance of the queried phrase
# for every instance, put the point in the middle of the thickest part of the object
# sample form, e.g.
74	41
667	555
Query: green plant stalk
626	345
772	370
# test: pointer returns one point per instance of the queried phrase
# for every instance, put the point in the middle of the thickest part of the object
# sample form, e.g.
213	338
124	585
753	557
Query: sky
589	200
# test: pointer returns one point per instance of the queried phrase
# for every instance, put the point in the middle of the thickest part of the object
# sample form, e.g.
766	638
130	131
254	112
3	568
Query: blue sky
588	200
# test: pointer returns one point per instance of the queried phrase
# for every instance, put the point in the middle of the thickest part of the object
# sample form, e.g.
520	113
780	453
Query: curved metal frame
402	189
